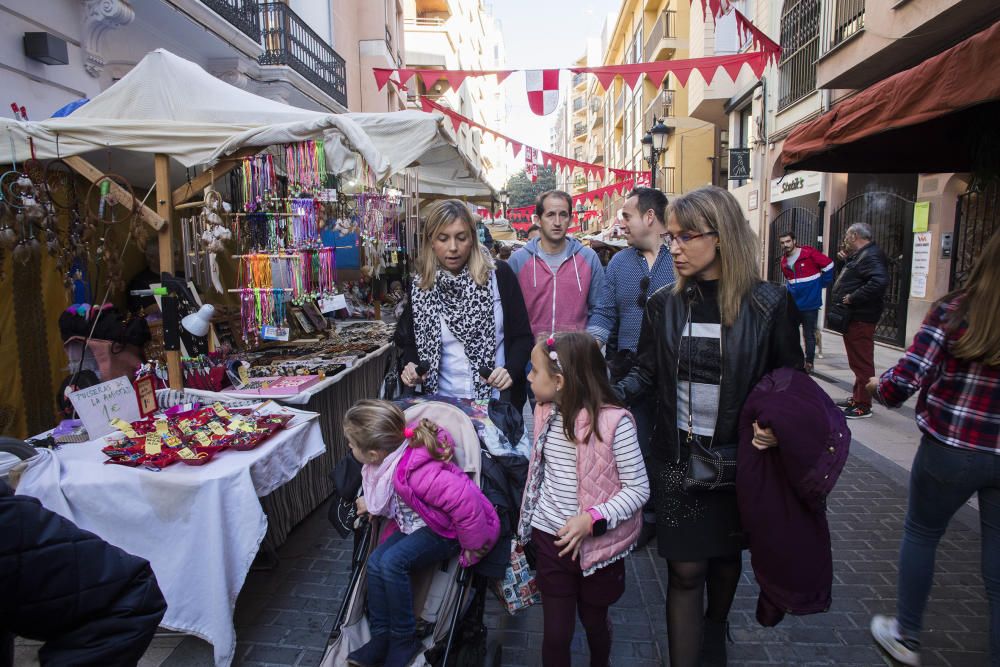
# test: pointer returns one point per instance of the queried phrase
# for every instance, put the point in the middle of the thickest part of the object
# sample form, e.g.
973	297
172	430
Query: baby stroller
449	601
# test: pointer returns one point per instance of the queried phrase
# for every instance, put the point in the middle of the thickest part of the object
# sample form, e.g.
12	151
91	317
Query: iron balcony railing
579	129
848	18
289	41
800	49
579	79
578	104
664	28
243	14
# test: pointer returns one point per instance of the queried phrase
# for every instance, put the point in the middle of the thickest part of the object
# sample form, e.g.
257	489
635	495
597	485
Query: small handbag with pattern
517	590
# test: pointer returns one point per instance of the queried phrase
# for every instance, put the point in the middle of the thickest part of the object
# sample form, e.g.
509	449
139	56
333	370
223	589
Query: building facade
461	34
832	50
314	55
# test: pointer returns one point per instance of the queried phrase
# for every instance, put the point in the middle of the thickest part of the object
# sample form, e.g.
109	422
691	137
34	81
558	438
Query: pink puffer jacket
447	500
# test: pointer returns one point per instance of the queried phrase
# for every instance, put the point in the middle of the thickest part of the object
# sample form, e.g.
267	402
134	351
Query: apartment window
634	52
848	19
800	44
743	127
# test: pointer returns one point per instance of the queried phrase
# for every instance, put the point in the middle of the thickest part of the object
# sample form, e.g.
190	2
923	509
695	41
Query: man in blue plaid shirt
630	277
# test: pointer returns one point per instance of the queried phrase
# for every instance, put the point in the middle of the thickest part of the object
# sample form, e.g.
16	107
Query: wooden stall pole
165	240
93	174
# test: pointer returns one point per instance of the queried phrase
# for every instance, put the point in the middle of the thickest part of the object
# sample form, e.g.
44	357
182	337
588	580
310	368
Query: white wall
316	14
41	88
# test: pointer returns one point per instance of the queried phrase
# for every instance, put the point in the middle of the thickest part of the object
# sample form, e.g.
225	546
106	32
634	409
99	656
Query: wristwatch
600	524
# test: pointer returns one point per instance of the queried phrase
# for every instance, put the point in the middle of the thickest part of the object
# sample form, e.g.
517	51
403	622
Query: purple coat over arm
782	492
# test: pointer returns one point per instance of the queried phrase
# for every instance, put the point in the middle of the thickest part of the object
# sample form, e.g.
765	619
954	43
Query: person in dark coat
704	344
90	602
861	287
465	312
781	492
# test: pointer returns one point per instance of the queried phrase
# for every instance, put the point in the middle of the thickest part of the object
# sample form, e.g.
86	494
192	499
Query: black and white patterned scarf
467	309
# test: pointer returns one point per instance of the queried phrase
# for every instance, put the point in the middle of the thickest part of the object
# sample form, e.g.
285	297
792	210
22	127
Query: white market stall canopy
169	105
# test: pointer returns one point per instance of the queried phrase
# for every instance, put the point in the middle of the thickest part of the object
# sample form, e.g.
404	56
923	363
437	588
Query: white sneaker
885	631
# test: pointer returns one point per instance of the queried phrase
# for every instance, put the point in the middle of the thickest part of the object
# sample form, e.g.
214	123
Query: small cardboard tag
145	392
153	446
330	304
274	333
161	427
216	428
203	439
221	411
186	453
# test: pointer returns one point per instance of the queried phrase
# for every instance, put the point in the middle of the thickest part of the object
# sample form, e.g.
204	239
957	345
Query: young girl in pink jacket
584	494
408	476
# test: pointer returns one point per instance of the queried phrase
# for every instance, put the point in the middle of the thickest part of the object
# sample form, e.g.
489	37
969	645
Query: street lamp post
654	144
503	197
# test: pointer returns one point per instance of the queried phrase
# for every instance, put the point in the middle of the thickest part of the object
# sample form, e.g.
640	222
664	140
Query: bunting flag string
558	162
656	71
716	9
613	190
455	77
746	29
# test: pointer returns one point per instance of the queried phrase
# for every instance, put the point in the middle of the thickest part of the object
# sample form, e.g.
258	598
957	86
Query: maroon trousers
566	593
859	341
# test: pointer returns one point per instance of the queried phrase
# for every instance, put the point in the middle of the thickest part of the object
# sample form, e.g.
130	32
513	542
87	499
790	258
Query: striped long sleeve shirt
557	501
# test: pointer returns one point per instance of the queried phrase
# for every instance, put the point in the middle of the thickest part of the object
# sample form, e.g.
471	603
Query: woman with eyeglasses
703	346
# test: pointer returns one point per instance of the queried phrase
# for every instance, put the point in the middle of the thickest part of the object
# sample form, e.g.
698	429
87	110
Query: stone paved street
285	615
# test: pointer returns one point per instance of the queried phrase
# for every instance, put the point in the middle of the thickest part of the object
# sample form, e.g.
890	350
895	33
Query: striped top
406	518
557	500
699	361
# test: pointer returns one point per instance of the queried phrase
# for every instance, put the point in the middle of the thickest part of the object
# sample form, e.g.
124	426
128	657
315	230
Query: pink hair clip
409	432
550	343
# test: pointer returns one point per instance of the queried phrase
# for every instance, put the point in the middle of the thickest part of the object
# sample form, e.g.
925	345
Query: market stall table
199	527
331	398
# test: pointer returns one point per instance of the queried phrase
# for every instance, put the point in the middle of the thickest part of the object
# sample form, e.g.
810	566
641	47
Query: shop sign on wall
739	163
795	184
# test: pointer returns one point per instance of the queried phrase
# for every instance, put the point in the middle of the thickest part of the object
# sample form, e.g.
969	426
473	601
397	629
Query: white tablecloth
199	526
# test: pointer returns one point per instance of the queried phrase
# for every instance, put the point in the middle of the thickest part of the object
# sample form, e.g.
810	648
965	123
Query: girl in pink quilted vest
583	499
408	476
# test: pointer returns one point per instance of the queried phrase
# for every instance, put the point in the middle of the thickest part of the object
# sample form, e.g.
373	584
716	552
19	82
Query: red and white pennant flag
543	90
531	163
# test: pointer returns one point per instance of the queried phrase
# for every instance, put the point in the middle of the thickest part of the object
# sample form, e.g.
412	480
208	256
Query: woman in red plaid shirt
954	362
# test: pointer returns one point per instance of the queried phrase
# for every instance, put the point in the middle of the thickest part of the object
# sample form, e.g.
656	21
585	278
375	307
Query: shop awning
930	118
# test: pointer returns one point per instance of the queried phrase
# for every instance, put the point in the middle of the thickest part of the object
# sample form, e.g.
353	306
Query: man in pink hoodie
560	279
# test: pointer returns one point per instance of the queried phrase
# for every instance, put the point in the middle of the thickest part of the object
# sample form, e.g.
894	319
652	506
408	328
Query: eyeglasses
643	291
684	237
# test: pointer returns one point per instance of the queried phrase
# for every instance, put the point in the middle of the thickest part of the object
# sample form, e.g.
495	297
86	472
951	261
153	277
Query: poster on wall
921	265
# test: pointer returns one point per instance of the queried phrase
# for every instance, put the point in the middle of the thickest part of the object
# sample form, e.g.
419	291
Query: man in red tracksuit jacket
807	272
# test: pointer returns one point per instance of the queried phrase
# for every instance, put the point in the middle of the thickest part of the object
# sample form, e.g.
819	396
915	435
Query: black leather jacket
763	338
865	276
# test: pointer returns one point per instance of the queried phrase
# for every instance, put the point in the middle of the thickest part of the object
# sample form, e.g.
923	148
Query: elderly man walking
861	287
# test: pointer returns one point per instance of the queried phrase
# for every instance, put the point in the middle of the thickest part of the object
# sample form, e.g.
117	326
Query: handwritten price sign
97	406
